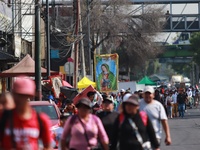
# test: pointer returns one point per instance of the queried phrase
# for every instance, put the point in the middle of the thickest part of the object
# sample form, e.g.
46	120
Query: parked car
49	108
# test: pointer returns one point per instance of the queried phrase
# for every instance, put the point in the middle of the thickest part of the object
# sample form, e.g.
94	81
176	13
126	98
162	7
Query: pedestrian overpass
174	22
176	54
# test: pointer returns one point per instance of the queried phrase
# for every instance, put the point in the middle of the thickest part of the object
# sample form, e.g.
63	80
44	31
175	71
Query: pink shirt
94	129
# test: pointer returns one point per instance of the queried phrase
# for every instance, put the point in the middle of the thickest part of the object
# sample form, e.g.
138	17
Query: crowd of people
176	101
120	121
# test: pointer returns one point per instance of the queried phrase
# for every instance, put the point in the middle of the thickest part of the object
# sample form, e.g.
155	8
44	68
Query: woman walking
169	104
84	129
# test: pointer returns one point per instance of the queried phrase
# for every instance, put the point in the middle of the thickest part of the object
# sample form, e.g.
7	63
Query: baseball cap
84	101
149	89
132	100
126	96
122	90
108	98
24	85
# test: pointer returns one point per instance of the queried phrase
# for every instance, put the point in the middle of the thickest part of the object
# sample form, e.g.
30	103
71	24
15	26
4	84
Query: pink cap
24	85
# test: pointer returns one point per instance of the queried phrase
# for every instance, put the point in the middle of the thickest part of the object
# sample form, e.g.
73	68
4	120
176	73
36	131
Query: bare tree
117	26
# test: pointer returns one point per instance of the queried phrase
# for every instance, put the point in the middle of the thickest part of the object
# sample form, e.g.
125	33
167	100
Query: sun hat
24	85
84	101
149	89
132	100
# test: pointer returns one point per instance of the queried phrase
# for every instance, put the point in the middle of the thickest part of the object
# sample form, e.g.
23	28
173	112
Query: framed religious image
56	82
106	72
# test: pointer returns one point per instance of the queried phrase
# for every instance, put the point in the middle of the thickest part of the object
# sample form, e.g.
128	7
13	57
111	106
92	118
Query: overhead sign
55	54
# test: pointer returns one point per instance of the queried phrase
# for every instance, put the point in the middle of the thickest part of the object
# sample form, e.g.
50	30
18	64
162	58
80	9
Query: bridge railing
182	22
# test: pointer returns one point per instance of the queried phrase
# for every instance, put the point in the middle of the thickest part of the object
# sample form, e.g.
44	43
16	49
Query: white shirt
156	113
189	93
169	99
174	98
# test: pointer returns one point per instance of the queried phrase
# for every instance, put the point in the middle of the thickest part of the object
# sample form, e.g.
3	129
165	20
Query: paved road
185	132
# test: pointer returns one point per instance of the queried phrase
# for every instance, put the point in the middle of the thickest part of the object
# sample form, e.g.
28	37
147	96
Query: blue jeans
181	109
169	110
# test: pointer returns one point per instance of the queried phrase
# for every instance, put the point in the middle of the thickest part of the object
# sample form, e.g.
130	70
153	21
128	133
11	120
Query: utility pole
37	52
47	39
88	24
192	74
82	47
13	18
76	47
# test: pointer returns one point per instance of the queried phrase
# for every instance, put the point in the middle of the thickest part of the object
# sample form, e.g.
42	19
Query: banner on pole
106	72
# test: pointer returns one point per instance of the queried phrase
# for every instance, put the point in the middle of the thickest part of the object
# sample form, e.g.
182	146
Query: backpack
8	116
143	115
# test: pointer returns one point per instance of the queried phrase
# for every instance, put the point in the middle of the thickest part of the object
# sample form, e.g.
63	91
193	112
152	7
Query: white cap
126	96
122	90
149	89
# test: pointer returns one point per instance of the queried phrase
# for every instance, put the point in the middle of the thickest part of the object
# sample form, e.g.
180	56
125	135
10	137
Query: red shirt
27	132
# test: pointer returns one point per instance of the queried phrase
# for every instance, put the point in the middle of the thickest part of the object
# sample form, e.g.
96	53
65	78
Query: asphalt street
185	132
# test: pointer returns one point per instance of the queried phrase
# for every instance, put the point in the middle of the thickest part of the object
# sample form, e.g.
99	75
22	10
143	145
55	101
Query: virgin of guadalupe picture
106	72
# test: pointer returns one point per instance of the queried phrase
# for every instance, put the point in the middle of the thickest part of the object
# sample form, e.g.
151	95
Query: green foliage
195	43
181	68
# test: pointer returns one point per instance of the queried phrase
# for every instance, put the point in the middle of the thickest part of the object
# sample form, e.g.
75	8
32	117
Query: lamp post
47	39
37	52
76	46
88	40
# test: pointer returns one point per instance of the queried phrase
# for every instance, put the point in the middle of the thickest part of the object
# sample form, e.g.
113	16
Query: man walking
181	99
108	116
175	104
22	127
156	113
